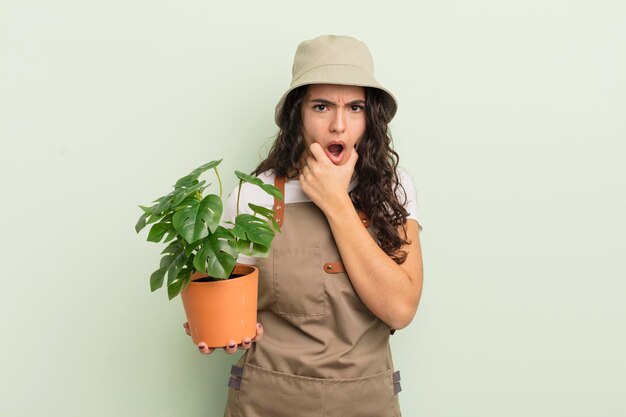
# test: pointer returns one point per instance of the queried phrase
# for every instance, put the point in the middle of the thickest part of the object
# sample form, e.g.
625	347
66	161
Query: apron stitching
363	379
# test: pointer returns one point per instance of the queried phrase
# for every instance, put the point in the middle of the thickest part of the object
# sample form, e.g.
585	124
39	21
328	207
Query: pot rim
244	269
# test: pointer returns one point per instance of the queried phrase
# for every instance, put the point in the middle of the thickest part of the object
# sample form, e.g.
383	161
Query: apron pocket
265	393
371	396
299	282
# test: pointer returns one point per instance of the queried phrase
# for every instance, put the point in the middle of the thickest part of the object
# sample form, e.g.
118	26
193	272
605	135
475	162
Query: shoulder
407	195
405	180
404	177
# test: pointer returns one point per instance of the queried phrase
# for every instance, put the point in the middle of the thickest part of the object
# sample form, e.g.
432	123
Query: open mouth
334	151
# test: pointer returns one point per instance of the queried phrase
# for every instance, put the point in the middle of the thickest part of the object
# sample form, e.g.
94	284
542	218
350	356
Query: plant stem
238	194
219	180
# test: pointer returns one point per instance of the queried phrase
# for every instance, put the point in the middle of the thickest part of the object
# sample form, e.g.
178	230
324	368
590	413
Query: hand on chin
325	181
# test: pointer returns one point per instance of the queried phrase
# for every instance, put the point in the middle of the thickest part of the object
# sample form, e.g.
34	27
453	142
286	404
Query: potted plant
200	259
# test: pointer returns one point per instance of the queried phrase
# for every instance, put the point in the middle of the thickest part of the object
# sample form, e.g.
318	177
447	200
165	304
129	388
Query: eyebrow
328	102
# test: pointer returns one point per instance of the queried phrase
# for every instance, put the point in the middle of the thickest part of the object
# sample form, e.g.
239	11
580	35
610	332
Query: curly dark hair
378	182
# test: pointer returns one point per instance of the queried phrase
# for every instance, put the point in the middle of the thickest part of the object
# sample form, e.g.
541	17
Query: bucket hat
334	59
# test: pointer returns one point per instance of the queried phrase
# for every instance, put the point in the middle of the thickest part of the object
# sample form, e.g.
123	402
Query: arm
391	291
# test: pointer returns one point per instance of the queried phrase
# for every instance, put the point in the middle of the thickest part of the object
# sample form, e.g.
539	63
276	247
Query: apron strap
279	206
334	268
279	209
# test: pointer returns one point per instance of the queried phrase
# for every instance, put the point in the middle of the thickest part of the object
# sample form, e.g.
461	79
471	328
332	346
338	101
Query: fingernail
201	347
245	342
232	345
259	326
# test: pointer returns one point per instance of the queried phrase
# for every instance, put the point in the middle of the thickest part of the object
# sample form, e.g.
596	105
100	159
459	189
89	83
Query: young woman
346	269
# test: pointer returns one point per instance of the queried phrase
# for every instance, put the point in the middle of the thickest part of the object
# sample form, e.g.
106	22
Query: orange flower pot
223	310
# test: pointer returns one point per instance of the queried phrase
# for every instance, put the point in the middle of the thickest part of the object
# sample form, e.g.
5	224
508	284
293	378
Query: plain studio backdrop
511	123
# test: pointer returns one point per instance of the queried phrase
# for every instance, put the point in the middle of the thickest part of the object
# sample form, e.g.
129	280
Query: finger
354	156
259	332
204	349
303	175
246	343
318	152
231	347
186	326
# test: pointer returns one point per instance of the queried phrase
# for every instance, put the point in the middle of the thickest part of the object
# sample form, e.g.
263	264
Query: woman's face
334	117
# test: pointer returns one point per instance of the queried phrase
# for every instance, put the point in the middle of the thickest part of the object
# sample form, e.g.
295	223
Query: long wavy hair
376	192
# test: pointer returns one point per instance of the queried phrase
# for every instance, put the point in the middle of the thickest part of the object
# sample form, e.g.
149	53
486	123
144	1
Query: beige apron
323	353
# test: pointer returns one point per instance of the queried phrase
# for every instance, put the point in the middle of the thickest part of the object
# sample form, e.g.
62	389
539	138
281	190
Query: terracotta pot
223	310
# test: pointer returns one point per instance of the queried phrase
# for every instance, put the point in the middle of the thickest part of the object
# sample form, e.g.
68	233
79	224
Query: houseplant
200	259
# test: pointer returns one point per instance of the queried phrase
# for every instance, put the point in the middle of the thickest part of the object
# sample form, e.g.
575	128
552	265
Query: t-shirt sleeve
411	197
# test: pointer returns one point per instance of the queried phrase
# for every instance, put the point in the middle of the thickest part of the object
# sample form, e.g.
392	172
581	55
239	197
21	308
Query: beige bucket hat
333	59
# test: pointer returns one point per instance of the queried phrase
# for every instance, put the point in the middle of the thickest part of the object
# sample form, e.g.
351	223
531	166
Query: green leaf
154	217
188	180
158	230
163	204
171	234
267	213
273	191
198	171
180	283
172	248
249	178
185	182
222	233
194	221
166	261
156	279
217	255
169	254
192	246
141	223
179	261
160	199
268	188
253	229
263	211
185	192
252	249
189	200
174	288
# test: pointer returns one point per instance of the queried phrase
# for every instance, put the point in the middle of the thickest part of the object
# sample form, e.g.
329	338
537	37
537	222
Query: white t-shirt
293	194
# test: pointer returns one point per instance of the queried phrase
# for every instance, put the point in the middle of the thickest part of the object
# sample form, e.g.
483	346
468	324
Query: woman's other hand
231	347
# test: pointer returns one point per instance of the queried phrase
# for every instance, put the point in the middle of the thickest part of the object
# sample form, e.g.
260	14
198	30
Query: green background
511	123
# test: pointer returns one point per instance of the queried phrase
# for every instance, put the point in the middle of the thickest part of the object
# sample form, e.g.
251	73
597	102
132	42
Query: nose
338	122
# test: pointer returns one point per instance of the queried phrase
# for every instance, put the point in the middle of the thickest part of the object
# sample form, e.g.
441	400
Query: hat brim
339	75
